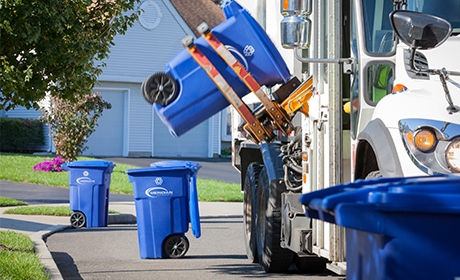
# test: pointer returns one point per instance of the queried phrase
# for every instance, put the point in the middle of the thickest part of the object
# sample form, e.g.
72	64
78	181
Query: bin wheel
175	246
160	88
78	219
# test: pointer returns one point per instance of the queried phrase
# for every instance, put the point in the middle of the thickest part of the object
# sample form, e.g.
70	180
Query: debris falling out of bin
89	188
166	200
396	228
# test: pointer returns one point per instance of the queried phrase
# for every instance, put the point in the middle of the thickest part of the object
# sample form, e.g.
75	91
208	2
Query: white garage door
194	143
107	140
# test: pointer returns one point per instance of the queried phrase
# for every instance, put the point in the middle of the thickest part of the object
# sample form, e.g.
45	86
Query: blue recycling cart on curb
166	201
89	187
396	228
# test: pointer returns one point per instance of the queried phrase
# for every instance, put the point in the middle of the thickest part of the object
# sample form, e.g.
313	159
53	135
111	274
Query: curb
122	219
39	239
42	251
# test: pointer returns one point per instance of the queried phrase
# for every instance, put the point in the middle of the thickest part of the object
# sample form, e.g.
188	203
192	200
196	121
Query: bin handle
193	207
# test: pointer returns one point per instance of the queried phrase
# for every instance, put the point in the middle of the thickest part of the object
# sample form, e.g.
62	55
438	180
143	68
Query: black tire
374	175
160	88
176	246
250	210
78	219
271	256
310	264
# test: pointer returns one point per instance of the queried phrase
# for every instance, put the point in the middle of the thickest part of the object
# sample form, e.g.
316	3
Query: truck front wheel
250	210
271	256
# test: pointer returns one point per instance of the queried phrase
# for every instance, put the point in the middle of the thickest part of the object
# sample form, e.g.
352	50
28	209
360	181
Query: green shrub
20	135
72	122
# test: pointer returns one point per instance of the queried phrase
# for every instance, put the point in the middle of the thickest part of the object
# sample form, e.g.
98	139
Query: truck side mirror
420	31
295	26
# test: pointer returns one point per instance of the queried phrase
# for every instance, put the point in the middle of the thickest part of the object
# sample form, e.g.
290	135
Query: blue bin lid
167	166
176	163
87	163
428	194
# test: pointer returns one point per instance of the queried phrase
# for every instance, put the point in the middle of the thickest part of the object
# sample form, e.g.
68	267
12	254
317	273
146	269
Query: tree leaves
52	46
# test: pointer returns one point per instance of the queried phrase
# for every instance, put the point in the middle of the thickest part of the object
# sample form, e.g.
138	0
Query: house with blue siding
132	128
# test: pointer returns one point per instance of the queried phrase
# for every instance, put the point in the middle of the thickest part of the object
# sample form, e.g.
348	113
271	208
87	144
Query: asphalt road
219	169
113	253
39	194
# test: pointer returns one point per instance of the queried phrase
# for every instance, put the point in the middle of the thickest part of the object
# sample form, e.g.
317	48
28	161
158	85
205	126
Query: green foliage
72	122
41	210
20	135
45	210
17	257
6	201
56	46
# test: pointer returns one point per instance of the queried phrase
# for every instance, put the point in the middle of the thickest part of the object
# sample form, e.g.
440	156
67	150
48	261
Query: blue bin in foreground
396	228
89	186
198	96
166	200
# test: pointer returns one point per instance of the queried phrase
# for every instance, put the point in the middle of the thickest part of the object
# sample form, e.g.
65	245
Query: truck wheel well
365	160
248	156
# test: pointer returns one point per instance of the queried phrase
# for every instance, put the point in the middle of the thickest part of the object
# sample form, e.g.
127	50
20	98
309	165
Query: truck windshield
446	9
377	27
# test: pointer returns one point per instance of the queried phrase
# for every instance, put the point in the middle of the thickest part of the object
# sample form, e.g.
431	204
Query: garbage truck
375	83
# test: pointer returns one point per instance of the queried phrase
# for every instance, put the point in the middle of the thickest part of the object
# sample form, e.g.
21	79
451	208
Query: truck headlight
424	140
433	146
453	155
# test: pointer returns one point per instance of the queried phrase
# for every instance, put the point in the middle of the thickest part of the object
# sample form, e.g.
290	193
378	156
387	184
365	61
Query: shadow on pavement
66	266
14	224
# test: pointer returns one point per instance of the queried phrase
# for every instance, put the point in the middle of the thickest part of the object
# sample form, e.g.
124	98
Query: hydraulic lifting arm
274	116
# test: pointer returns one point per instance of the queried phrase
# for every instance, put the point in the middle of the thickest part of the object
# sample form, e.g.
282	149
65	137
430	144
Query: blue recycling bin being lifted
166	200
198	97
89	187
396	228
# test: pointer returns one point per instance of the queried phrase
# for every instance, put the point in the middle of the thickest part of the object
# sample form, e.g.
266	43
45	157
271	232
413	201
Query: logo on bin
85	180
158	191
159	181
249	50
85	173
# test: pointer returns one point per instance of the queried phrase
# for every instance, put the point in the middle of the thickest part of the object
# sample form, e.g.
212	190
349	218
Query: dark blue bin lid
428	194
167	166
194	166
87	163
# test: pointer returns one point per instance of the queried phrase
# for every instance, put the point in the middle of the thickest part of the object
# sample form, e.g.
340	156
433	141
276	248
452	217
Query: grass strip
18	259
6	201
45	210
19	168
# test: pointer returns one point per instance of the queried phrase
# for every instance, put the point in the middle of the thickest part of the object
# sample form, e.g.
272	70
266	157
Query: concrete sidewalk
40	227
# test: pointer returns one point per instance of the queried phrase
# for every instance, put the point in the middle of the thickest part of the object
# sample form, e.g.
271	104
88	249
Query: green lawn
6	201
18	259
19	168
45	210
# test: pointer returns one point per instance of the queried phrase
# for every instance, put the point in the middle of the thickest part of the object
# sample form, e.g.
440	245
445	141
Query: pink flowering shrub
52	165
